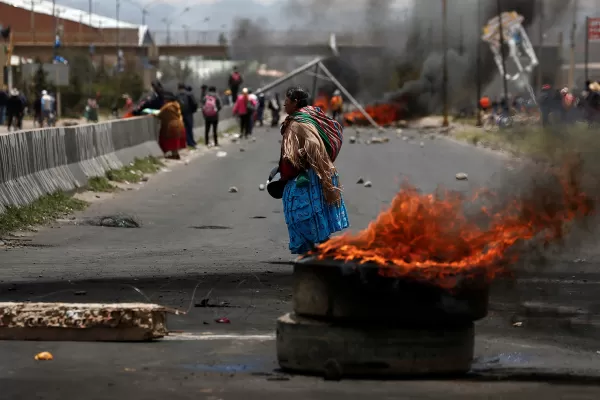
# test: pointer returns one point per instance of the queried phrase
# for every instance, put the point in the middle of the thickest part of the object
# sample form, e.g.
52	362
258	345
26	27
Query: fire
429	236
383	114
322	102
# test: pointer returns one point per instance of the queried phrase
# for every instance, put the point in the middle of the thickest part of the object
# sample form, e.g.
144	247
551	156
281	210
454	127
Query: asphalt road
199	240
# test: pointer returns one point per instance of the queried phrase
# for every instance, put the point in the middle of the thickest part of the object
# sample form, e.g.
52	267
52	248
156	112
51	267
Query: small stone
233	189
368	184
404	138
97	196
146	179
461	176
399	131
360	181
432	137
352	139
261	187
422	144
221	154
253	139
242	149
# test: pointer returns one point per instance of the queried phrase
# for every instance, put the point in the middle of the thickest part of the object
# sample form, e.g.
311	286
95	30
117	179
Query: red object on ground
223	320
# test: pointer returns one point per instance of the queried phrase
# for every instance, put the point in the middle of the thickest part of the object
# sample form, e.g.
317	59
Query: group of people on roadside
565	106
14	106
176	114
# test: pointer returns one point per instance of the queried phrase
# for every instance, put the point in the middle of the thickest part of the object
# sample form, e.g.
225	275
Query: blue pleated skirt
310	220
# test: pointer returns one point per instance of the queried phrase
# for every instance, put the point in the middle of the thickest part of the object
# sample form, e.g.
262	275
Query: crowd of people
14	106
553	106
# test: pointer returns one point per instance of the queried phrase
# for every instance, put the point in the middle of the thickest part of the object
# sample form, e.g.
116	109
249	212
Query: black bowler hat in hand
275	188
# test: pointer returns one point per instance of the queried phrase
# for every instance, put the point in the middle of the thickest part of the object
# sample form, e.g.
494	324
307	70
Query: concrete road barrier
37	162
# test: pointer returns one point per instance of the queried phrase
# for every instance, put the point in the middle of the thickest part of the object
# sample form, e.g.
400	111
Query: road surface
198	239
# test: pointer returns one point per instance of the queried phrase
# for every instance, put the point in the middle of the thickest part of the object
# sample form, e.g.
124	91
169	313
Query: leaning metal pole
347	94
478	72
445	122
289	76
502	52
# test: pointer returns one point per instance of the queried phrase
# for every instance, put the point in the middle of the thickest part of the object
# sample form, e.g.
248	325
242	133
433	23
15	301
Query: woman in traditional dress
172	130
312	198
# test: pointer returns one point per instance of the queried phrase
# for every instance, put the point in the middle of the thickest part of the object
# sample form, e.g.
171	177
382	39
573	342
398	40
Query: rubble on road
352	139
368	184
233	189
360	181
261	187
380	139
461	176
83	322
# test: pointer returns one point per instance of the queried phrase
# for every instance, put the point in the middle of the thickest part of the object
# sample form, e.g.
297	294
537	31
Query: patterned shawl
311	139
330	130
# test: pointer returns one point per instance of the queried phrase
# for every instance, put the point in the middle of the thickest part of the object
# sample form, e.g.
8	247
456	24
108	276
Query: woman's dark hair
212	88
299	95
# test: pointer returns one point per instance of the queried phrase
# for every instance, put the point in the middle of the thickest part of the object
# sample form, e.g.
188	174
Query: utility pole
540	5
445	123
502	52
461	47
478	55
572	55
118	36
314	86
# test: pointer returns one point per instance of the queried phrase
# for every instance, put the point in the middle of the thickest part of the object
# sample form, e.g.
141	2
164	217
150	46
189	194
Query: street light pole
118	36
445	67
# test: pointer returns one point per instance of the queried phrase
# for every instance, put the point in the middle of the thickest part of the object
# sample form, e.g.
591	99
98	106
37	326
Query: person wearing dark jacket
235	82
3	103
154	101
15	109
275	107
211	106
188	107
38	117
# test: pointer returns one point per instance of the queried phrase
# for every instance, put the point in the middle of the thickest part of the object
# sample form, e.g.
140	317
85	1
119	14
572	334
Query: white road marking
209	336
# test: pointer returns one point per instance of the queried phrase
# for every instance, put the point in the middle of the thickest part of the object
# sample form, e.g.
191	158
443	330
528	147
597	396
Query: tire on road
323	348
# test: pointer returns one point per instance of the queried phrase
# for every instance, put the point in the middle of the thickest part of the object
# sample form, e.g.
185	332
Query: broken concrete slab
130	322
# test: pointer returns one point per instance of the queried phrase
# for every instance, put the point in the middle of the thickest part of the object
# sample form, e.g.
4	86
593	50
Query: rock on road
199	239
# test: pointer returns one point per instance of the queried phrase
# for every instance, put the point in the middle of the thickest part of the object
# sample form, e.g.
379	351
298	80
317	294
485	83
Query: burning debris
431	237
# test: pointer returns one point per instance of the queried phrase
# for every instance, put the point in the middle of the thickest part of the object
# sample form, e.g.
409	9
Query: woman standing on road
172	136
312	198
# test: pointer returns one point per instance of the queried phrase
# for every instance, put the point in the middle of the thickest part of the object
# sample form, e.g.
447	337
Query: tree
222	39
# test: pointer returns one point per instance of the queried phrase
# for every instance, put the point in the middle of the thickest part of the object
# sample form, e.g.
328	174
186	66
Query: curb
537	315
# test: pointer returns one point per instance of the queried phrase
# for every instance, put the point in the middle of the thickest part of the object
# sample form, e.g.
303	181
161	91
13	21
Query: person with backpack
235	81
211	105
48	109
244	109
188	106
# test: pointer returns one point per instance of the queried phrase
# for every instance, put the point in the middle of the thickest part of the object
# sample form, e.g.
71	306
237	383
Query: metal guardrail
129	37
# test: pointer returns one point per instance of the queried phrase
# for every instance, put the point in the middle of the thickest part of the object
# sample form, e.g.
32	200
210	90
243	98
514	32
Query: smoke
462	37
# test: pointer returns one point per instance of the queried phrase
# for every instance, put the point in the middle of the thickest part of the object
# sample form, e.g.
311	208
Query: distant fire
383	114
322	102
429	236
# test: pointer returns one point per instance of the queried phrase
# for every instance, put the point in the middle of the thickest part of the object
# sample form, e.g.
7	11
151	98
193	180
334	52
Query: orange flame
383	114
322	102
430	237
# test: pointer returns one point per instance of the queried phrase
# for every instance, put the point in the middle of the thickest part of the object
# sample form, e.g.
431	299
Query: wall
37	162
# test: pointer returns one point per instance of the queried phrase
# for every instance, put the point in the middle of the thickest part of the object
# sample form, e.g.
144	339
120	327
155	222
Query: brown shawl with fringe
303	147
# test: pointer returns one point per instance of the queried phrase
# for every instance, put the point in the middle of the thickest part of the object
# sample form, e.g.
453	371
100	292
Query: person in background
190	92
211	105
38	119
252	109
3	103
336	104
313	205
188	106
203	90
15	110
129	105
235	81
243	110
154	101
91	110
48	108
275	107
260	111
568	100
227	100
172	134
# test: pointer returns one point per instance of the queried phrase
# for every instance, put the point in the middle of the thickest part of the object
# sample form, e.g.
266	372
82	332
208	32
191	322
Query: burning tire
337	291
336	350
